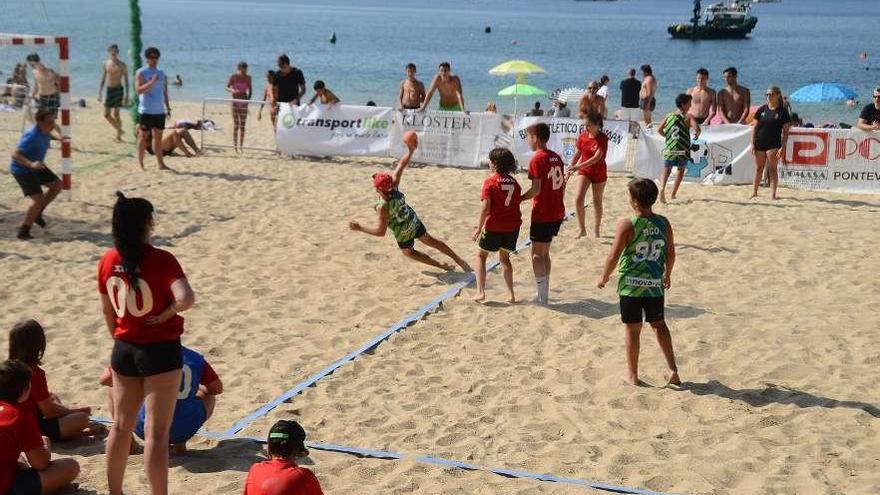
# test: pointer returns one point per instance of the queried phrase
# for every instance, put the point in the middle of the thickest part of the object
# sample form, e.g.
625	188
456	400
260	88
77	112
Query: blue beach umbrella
822	92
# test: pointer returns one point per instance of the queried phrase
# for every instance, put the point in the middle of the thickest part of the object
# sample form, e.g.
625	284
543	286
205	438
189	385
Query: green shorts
50	102
450	108
115	97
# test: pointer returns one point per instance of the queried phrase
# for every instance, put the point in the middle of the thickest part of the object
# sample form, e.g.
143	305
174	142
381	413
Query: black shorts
26	482
49	427
648	104
765	146
32	182
494	241
151	121
631	309
544	231
412	242
130	359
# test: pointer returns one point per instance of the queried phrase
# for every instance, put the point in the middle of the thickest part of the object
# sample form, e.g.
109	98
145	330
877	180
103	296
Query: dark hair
131	217
27	342
537	104
703	71
643	191
682	99
632	73
271	74
114	46
42	114
242	65
33	57
445	65
411	66
15	377
286	438
604	79
319	85
503	160
594	117
647	69
151	52
731	70
283	59
540	131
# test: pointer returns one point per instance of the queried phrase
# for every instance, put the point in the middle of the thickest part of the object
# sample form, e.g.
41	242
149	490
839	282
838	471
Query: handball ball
411	139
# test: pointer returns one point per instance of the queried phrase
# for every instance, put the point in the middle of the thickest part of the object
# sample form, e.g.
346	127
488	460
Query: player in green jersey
644	251
398	216
676	129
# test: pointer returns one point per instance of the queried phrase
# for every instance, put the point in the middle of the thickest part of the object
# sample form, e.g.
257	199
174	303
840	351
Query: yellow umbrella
519	68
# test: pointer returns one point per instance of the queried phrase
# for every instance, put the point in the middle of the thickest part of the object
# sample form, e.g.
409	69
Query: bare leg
443	248
188	139
678	179
157	147
59	474
241	128
118	124
73	425
507	272
38	202
579	195
760	160
633	330
143	135
541	268
647	115
128	394
664	338
480	296
663	180
178	144
772	172
598	193
160	396
412	254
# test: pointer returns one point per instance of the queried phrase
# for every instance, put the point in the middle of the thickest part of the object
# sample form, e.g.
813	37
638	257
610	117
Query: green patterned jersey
402	219
643	261
678	136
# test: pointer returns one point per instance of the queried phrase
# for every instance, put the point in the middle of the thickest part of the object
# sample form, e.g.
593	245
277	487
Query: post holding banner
564	133
450	138
332	130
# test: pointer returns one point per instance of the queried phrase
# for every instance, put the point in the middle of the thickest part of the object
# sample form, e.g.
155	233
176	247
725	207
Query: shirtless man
703	98
113	74
412	91
45	85
647	100
591	101
449	86
734	100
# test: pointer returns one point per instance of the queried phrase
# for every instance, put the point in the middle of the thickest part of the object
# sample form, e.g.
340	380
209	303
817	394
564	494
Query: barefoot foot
479	297
672	378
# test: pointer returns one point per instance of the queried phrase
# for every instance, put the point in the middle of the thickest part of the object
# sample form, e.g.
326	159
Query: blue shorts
676	162
189	416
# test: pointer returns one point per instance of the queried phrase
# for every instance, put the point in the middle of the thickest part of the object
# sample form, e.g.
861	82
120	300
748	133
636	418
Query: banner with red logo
832	160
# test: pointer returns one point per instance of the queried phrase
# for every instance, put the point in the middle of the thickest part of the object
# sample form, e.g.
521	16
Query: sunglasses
876	96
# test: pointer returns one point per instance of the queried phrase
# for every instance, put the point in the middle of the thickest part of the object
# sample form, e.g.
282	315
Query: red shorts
595	174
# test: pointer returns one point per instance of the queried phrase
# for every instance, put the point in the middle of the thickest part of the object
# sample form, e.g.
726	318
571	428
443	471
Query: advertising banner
845	160
334	130
450	138
564	133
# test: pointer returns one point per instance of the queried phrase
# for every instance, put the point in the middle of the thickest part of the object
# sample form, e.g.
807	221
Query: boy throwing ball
395	214
646	251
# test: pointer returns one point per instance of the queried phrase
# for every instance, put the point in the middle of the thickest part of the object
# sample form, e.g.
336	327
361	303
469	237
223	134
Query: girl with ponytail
143	289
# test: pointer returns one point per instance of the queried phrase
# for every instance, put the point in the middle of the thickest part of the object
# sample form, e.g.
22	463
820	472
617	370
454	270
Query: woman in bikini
239	86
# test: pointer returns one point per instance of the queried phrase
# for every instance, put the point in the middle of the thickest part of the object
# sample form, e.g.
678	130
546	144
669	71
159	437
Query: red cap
383	181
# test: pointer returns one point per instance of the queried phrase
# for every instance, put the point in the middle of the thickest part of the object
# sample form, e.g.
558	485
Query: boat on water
733	20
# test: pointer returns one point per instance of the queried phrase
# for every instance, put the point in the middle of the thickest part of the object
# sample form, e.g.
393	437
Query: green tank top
643	261
678	136
402	219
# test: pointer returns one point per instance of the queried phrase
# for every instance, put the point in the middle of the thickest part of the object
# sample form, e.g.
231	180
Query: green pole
136	61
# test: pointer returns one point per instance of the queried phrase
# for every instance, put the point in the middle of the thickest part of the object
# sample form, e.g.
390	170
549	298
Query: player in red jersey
142	291
548	206
589	163
501	217
280	475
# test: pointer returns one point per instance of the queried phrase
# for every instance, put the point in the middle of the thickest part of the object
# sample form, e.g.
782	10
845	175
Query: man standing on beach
734	100
45	85
412	91
151	85
290	83
591	101
703	98
647	100
449	86
114	71
869	118
629	97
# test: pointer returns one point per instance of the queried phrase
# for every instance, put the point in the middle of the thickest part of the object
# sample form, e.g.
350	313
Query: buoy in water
488	29
333	39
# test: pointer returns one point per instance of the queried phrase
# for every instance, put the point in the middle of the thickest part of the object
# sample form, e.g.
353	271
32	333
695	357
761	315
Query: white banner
563	140
322	130
722	155
450	138
832	160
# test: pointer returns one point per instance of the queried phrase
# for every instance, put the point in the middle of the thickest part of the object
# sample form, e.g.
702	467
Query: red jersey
39	391
549	204
588	145
281	477
19	433
504	194
157	271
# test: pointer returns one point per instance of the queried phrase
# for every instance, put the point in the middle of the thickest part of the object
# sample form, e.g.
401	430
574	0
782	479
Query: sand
770	311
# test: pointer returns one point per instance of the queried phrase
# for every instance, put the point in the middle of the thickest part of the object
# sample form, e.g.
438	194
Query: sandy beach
771	311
